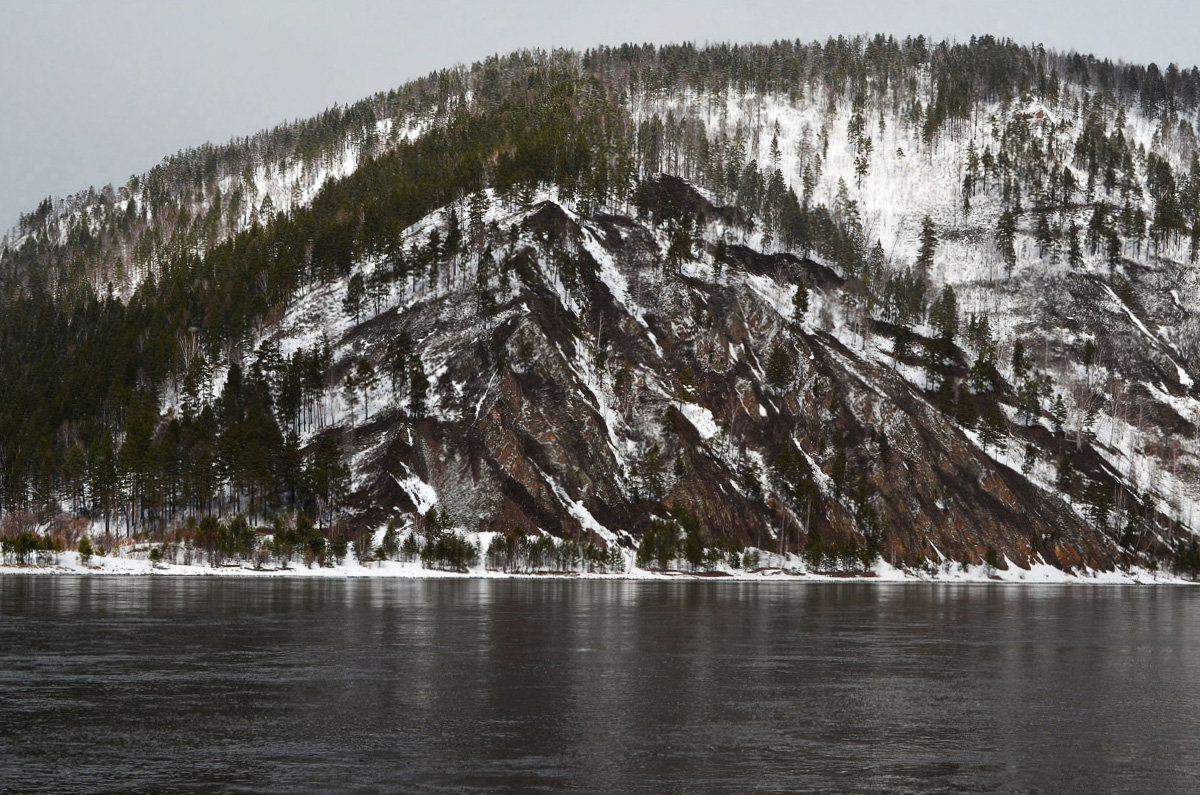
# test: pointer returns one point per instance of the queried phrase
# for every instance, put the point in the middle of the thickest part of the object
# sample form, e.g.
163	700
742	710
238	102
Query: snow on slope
908	180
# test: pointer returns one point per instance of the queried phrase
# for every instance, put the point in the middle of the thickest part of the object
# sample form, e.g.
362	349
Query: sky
92	92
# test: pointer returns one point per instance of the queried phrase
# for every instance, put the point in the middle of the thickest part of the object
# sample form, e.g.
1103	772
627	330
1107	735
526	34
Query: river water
259	685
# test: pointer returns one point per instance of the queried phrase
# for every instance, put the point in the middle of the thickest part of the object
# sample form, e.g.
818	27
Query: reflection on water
259	685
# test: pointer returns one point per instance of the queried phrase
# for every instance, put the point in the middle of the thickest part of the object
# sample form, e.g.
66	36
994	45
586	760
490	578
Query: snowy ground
792	571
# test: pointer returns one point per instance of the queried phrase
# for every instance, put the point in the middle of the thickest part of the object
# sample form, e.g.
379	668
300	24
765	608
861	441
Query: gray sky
92	92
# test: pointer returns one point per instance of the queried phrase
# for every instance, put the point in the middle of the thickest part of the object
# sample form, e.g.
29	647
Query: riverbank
790	569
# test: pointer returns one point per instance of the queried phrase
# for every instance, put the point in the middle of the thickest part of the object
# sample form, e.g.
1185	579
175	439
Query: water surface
212	684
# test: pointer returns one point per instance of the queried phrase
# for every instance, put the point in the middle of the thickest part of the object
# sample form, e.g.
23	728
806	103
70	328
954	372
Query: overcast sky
92	92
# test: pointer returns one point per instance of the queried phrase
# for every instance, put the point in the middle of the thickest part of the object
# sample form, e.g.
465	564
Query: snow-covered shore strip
69	564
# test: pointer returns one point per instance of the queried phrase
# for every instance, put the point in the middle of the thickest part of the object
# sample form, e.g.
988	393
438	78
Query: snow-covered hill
914	309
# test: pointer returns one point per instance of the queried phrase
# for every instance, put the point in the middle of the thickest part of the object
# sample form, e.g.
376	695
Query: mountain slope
862	299
521	409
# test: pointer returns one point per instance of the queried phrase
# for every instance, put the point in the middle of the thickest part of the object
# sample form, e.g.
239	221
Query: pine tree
648	471
1030	459
397	361
1058	413
1018	360
902	343
1065	476
929	241
779	367
350	393
85	550
366	378
418	388
1029	400
800	304
992	431
475	218
355	292
1074	250
1005	236
943	316
837	469
328	476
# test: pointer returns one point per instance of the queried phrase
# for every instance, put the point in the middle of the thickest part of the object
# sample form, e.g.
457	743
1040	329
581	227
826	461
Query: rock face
606	385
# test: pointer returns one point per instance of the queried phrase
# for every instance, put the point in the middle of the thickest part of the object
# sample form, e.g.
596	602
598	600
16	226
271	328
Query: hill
817	305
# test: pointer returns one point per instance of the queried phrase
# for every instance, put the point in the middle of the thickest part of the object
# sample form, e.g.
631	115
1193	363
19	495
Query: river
255	685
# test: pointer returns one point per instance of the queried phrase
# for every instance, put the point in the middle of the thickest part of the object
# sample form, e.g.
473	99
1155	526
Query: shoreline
881	573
